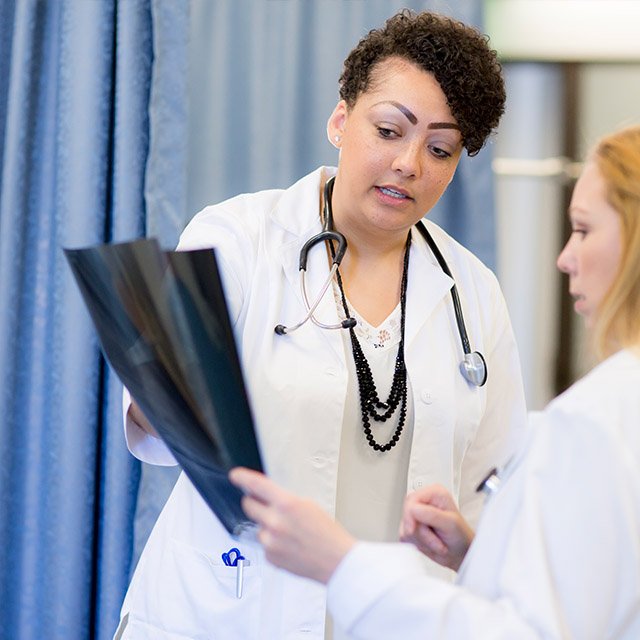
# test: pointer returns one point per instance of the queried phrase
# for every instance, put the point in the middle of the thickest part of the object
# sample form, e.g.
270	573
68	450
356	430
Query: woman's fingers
296	533
428	540
432	517
434	496
255	484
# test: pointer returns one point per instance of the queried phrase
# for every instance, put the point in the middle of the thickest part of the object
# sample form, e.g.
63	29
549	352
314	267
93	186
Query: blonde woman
557	551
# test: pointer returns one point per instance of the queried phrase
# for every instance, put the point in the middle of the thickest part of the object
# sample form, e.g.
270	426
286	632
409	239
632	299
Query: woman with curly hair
354	417
557	552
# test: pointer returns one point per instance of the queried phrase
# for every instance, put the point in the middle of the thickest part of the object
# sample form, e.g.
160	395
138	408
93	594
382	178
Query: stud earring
336	138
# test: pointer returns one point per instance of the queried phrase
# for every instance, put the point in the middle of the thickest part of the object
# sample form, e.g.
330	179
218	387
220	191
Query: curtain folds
76	80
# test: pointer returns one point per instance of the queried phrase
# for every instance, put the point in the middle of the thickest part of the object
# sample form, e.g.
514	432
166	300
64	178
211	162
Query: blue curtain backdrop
82	85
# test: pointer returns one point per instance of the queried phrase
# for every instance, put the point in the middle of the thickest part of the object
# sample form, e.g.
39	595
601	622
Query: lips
394	192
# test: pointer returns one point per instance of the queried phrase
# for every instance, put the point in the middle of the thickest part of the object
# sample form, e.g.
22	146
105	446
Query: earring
336	138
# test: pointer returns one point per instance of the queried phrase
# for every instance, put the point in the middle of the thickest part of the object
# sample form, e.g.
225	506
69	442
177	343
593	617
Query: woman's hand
135	415
432	522
297	535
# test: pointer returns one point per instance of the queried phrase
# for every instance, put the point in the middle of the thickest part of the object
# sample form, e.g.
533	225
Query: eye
386	133
439	152
581	232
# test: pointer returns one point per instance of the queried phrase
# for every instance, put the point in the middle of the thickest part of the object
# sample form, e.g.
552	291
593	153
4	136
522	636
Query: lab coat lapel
427	286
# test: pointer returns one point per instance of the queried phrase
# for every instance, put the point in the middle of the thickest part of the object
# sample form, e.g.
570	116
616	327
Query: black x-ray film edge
163	325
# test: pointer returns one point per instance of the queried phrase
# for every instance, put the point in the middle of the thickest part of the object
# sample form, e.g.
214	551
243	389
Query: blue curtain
81	88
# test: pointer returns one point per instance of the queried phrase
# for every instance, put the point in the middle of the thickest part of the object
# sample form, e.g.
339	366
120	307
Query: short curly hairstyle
458	56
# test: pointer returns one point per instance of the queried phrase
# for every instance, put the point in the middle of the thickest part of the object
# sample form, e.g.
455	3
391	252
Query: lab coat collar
298	213
427	285
298	209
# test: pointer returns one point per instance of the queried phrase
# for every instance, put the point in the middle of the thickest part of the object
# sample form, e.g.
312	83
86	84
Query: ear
336	123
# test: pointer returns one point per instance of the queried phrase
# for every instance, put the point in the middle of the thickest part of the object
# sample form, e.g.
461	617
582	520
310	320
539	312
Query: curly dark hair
458	56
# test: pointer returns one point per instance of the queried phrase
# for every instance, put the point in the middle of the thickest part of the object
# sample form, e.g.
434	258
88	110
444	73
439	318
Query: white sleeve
142	445
379	591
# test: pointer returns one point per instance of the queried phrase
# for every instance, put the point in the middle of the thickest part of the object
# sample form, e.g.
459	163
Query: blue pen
233	558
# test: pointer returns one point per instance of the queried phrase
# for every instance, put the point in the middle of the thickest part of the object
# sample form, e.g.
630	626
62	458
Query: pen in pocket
233	558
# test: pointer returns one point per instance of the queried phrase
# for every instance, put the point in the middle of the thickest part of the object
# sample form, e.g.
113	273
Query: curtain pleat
76	80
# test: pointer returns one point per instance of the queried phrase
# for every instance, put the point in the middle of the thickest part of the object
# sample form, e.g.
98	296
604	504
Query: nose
408	160
565	261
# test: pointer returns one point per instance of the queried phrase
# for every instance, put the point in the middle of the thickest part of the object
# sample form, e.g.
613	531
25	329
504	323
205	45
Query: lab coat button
426	397
417	484
330	371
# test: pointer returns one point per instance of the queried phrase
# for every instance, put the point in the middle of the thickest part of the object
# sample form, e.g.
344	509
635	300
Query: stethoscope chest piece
474	369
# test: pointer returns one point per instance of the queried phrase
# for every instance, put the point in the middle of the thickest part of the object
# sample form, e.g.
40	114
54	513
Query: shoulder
610	386
246	216
605	401
241	215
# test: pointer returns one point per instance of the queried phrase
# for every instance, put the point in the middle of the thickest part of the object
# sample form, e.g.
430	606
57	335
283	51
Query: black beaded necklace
370	403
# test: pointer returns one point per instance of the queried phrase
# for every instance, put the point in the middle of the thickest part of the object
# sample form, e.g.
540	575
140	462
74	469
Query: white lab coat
557	553
297	385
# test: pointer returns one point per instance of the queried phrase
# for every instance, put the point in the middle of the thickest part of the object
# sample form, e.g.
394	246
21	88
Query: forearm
381	591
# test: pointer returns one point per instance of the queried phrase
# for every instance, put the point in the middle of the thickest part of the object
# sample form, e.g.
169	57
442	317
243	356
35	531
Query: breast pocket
196	598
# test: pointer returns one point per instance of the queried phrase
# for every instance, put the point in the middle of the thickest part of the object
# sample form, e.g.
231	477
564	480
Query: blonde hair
617	326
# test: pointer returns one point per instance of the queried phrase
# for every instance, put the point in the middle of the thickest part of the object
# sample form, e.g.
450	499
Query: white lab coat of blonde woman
298	386
533	571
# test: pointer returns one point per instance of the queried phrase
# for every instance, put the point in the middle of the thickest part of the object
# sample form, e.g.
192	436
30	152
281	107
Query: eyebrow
406	112
443	125
410	116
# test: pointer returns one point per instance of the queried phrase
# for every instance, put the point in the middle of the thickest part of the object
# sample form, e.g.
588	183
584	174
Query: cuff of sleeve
365	574
142	445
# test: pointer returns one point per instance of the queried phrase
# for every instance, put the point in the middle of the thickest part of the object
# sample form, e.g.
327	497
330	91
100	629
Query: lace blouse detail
384	336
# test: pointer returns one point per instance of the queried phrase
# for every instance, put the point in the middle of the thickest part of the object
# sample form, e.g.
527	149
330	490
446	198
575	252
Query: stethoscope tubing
473	367
457	307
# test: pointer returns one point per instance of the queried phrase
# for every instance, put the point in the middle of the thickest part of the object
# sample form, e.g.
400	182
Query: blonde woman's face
591	257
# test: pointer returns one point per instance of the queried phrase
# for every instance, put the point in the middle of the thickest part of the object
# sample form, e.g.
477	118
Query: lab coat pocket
215	591
195	597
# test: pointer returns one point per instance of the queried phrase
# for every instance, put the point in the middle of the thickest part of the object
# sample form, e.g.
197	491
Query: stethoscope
473	366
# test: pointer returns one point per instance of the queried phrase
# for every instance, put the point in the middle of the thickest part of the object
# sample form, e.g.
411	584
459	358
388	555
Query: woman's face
592	254
399	148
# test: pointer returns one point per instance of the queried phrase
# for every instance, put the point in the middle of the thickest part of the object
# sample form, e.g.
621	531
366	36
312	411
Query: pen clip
490	483
233	558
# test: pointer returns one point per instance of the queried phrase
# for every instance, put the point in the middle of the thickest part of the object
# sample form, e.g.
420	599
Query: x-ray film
163	325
